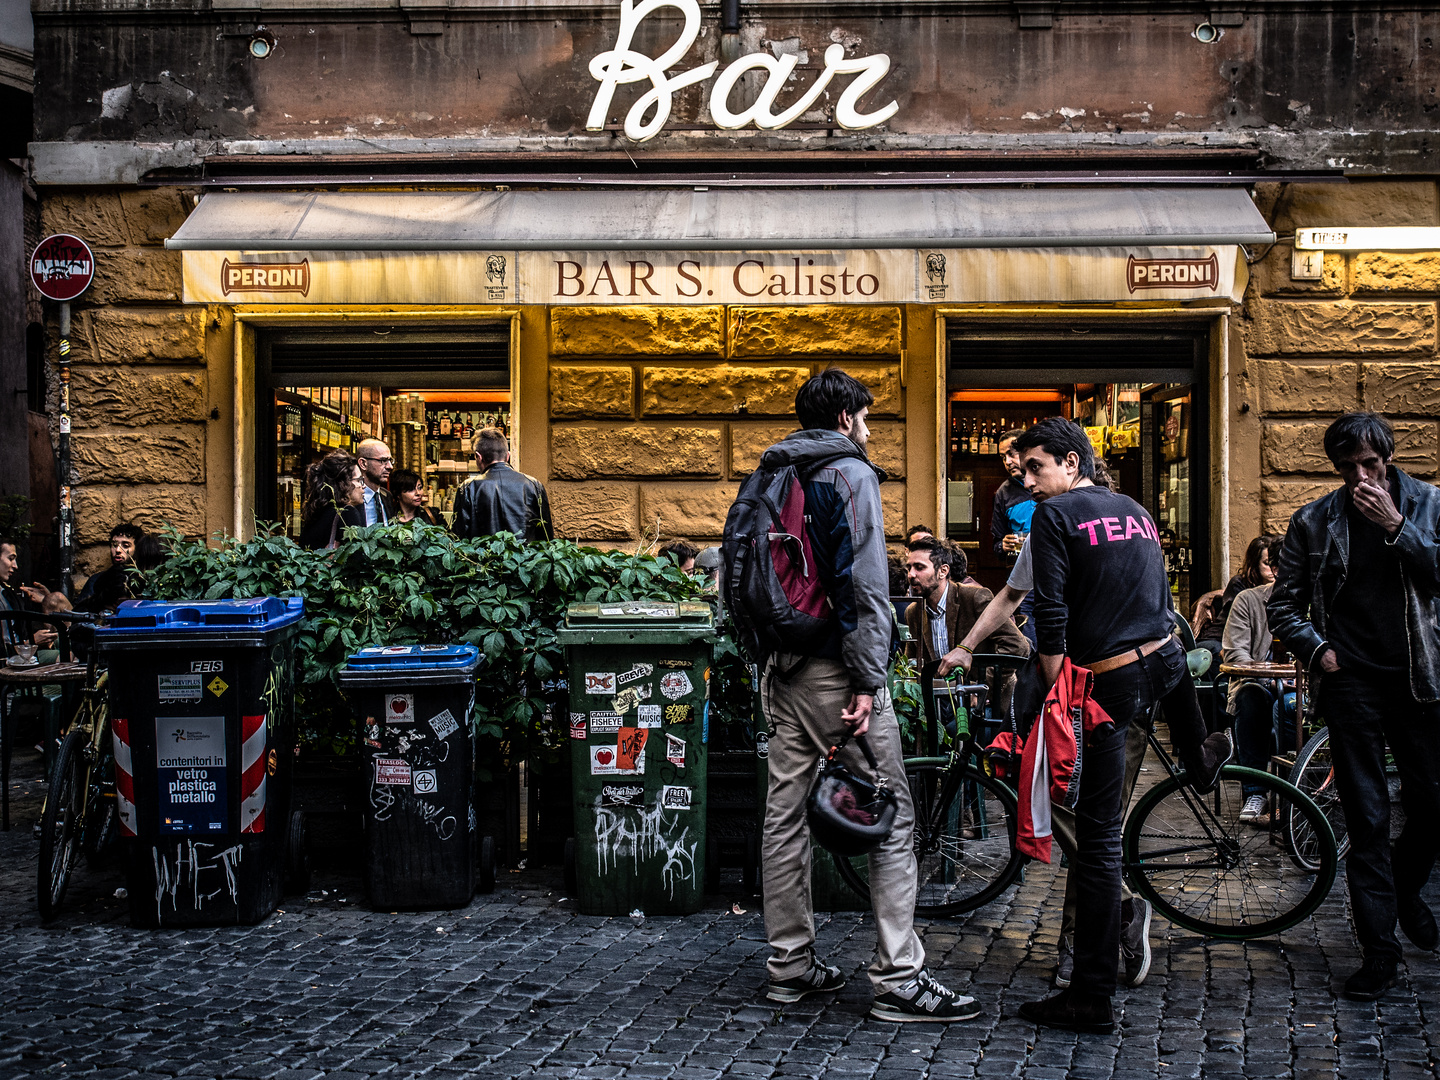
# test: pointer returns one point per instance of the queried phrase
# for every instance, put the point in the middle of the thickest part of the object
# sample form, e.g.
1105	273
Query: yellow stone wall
656	414
1364	336
141	377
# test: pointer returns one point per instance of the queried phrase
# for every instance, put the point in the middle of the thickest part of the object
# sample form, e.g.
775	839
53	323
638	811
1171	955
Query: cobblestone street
519	985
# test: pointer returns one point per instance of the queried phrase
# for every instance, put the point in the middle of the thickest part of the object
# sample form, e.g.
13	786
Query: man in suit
501	499
949	609
378	507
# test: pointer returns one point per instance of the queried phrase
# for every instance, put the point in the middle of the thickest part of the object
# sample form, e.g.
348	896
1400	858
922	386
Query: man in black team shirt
1357	598
1102	598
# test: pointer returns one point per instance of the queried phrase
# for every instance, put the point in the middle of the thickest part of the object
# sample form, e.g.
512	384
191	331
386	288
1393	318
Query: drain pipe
729	31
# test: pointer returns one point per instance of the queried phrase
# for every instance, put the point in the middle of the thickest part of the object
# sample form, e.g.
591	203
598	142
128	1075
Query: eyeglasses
382	460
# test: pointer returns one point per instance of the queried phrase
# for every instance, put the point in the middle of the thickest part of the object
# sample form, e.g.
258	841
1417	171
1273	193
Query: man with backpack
807	582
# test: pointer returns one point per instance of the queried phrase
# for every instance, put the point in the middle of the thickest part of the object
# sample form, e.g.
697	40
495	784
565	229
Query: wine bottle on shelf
444	425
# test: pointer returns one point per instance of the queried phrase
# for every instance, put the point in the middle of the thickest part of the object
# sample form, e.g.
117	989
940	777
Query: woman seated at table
1262	718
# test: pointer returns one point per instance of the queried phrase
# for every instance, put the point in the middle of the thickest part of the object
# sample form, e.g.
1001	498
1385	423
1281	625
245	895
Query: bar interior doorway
1142	399
426	393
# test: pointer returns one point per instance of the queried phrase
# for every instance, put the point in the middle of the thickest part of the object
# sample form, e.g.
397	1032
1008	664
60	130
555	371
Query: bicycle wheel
1191	857
1314	774
964	841
60	823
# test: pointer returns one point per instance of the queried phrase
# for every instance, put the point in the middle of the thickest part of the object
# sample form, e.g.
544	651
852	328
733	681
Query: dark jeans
1363	714
1127	695
1026	613
1262	725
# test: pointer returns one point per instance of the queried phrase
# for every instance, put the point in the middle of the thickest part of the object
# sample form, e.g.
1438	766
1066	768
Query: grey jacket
1247	634
847	539
1313	563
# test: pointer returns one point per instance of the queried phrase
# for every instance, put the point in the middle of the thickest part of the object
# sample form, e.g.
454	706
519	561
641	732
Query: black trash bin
202	714
414	702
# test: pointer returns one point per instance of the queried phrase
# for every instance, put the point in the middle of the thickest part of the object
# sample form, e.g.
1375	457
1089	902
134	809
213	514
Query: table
1267	669
13	681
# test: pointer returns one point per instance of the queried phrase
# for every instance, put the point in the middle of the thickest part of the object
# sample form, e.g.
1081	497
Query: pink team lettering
1111	525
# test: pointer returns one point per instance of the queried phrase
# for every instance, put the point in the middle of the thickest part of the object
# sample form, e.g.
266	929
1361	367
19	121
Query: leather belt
1100	667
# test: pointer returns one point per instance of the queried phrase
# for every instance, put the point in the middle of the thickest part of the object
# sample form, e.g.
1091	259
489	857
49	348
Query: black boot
1202	770
1073	1010
1371	981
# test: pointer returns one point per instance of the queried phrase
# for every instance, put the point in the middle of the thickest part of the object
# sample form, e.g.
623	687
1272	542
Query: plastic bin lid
689	614
407	658
168	616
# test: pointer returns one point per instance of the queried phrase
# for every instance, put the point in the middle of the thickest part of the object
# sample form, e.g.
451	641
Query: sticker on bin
630	748
762	745
444	724
647	611
400	708
679	714
217	686
190	755
425	782
649	716
180	688
615	796
675	750
577	725
207	667
393	771
676	665
675	797
635	674
676	685
605	761
599	682
626	700
604	723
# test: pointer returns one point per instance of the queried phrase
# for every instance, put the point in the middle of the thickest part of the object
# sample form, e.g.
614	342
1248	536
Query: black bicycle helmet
849	815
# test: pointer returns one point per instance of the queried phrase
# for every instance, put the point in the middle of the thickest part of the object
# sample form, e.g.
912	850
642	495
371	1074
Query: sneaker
923	999
1135	940
1072	1011
820	979
1203	773
1066	965
1253	810
1371	981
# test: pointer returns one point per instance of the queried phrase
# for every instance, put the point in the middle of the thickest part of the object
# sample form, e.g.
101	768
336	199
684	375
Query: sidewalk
519	985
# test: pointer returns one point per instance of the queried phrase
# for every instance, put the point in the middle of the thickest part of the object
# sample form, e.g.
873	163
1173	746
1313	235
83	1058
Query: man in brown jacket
947	610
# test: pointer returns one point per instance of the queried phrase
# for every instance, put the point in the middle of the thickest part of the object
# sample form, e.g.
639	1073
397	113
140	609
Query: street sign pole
61	268
67	510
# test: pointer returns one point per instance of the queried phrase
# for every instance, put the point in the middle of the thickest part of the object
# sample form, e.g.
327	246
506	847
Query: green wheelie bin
639	725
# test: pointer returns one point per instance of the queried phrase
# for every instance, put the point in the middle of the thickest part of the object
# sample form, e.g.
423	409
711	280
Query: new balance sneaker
922	999
1253	810
820	979
1135	940
1066	965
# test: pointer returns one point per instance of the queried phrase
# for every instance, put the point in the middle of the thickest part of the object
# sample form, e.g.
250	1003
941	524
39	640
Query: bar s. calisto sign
850	276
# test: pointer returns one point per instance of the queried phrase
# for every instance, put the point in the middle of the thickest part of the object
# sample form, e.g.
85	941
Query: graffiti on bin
434	816
196	867
625	835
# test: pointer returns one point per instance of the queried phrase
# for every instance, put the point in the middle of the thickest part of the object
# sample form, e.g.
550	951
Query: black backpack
772	588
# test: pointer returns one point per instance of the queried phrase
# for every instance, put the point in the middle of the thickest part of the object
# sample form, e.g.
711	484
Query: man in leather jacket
1357	598
501	499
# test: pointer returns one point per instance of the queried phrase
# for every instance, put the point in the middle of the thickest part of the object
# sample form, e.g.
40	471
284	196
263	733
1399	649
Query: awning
728	219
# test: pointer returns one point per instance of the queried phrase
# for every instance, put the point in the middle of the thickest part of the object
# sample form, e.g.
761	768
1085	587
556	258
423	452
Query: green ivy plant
412	584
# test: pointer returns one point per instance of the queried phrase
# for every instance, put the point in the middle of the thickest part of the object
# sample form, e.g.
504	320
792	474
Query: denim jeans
1262	725
1363	714
1127	695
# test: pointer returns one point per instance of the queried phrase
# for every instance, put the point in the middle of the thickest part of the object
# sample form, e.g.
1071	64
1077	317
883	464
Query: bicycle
965	819
1193	859
79	815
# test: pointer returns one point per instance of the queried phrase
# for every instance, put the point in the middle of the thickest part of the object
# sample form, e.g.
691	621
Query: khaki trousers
804	717
1063	822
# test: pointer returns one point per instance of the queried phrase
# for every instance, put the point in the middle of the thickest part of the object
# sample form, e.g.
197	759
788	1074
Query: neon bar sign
622	65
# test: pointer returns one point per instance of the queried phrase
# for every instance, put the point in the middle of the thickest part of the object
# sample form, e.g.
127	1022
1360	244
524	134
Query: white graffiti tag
642	835
435	816
192	860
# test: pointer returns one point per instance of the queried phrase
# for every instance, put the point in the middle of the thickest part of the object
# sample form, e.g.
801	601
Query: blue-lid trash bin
202	713
414	705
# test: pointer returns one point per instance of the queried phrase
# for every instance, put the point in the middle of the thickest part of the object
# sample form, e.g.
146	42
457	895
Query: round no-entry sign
62	267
